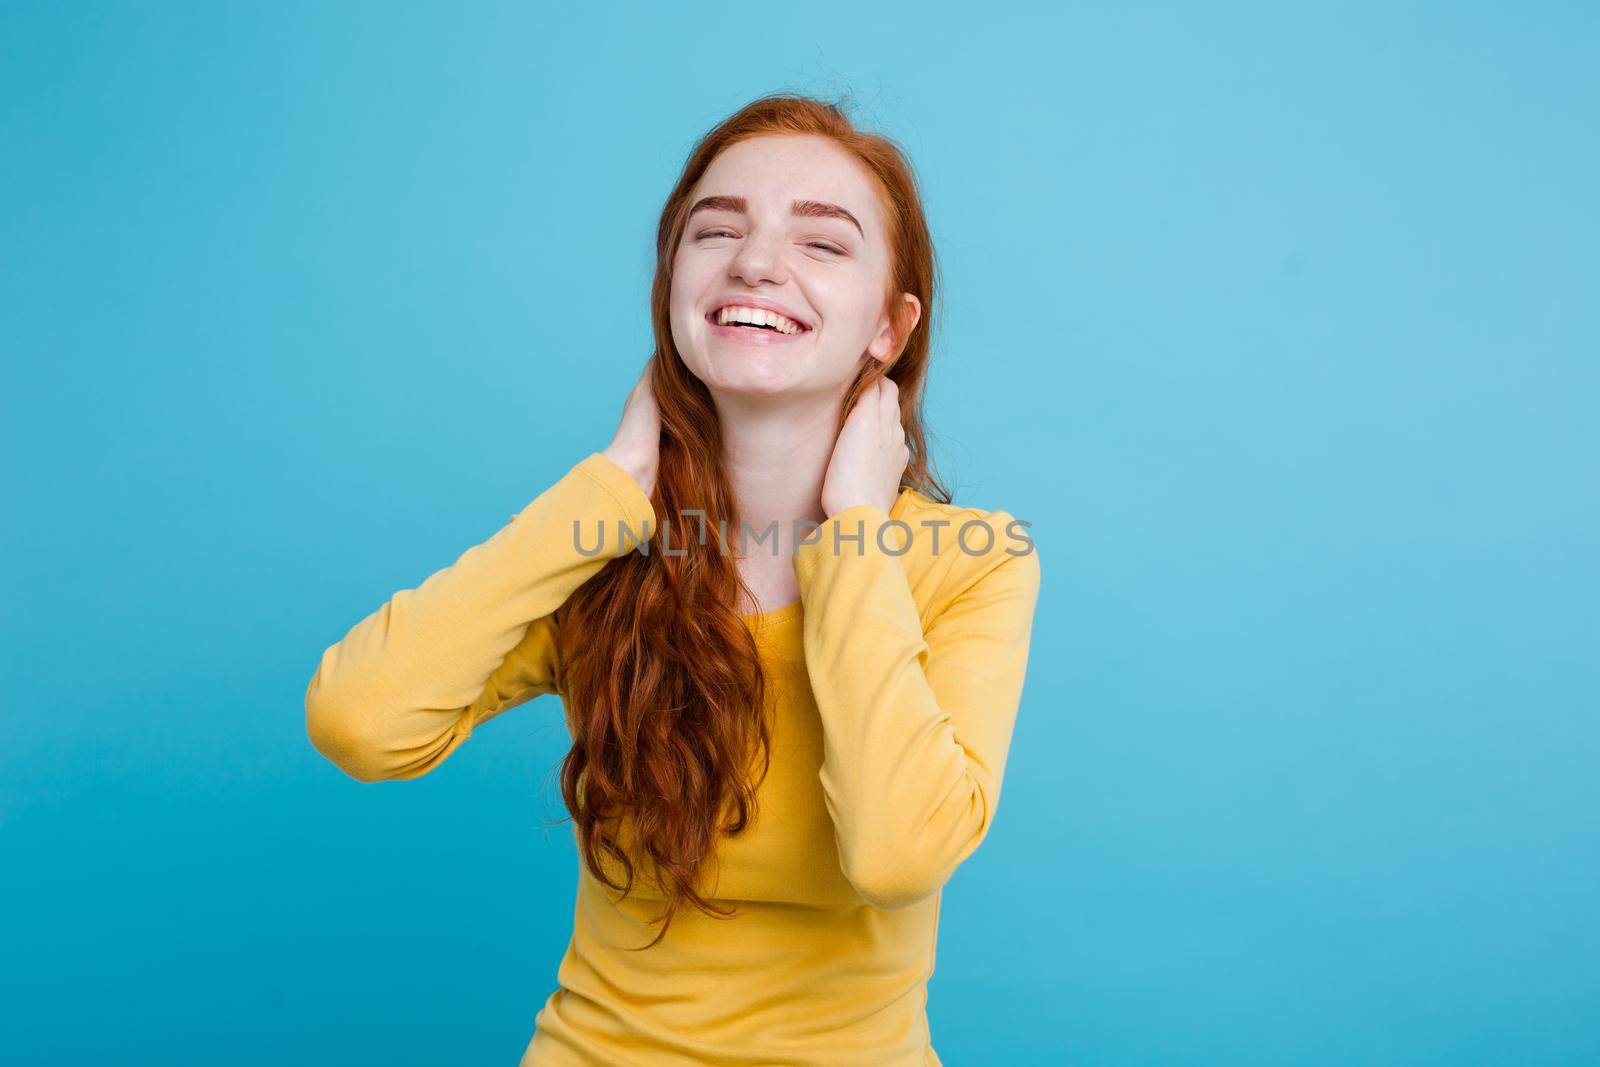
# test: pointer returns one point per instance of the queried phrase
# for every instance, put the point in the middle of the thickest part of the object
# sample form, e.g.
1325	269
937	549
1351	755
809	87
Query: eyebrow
810	209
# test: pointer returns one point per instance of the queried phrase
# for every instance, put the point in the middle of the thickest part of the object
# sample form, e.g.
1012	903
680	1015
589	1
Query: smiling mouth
755	327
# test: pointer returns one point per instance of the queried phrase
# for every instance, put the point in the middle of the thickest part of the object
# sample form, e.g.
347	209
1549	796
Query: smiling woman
778	759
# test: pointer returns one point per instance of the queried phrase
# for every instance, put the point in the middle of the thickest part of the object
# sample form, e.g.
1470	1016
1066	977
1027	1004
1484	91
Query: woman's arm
916	726
407	684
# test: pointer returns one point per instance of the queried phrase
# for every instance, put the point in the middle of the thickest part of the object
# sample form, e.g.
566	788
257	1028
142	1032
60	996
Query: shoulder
992	535
953	547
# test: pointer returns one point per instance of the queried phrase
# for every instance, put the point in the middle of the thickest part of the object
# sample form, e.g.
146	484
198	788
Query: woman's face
789	223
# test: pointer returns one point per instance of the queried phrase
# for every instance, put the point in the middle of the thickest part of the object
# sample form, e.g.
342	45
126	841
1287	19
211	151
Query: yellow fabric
894	686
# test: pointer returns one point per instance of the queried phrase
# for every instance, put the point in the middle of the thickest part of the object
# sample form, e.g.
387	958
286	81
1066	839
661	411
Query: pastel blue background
1280	326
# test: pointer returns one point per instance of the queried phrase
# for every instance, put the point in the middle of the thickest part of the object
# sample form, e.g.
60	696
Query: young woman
790	664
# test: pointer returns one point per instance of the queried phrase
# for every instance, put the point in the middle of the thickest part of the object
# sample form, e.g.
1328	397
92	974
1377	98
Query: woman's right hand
636	447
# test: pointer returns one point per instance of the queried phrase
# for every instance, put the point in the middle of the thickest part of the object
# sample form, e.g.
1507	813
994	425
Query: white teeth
757	316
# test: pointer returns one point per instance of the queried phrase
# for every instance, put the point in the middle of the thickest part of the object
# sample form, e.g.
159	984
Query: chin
751	385
749	373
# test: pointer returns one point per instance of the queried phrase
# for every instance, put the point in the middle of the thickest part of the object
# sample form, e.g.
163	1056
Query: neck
775	457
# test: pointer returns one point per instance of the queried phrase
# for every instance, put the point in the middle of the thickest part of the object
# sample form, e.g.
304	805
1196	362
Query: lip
758	302
745	336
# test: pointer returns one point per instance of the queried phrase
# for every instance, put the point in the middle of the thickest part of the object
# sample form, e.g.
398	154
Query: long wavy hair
665	691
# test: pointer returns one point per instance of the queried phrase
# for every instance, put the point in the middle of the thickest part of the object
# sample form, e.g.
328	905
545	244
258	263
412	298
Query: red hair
661	677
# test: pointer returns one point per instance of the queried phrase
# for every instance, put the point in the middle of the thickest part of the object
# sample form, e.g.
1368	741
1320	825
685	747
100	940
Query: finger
880	411
890	409
866	406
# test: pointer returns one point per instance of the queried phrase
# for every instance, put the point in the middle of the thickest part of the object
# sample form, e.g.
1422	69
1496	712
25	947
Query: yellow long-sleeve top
894	684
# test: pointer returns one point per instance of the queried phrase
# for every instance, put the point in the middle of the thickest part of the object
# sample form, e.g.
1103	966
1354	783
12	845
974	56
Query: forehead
772	170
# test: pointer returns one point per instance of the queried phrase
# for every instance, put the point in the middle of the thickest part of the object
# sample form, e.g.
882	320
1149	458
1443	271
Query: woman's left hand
870	454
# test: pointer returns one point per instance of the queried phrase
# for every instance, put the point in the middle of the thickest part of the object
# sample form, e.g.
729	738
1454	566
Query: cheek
680	280
690	278
681	296
848	314
680	312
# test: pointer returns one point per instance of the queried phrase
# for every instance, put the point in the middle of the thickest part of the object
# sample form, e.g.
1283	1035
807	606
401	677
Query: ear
887	345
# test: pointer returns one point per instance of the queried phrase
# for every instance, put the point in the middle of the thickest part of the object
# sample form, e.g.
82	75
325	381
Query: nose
759	259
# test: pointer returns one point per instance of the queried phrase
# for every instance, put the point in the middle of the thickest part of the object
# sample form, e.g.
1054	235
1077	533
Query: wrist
640	467
834	508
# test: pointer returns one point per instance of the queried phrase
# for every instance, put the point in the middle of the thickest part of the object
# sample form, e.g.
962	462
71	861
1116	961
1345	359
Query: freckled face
814	263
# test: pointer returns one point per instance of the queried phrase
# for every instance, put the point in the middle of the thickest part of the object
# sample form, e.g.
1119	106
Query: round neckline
794	607
774	614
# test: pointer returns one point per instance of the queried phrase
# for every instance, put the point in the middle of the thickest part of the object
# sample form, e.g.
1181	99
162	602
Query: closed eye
823	245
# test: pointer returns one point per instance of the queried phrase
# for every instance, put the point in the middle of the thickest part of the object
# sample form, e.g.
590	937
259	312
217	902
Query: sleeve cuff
860	531
629	494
